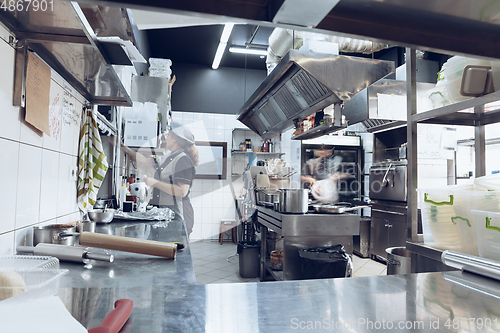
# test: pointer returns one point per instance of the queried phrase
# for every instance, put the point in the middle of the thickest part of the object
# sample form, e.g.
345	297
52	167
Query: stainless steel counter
424	302
167	299
135	270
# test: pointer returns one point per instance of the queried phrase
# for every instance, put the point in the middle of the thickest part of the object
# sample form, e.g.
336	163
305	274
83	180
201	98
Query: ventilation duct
306	82
281	40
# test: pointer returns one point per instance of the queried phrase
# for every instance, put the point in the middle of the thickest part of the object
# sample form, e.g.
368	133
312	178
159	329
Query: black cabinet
388	229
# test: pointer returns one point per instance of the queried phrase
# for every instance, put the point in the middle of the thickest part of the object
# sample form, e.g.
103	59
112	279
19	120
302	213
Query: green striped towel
92	164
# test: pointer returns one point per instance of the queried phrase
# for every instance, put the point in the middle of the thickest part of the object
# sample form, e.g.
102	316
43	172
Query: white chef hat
181	134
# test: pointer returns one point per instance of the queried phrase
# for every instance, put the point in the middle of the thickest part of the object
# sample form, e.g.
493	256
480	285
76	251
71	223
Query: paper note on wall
37	93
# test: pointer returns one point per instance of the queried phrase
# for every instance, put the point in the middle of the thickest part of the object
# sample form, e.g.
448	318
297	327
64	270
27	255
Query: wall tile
218	135
207	231
187	118
30	135
215	230
10	126
196	234
209	120
64	219
206	185
65	202
207	200
228	137
206	213
177	116
9	167
7	244
28	185
219	121
229	121
211	134
218	199
49	185
24	236
218	213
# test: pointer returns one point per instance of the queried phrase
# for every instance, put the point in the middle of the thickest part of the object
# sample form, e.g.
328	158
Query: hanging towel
92	164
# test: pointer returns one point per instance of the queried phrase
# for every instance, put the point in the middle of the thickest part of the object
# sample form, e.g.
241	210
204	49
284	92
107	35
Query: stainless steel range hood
306	82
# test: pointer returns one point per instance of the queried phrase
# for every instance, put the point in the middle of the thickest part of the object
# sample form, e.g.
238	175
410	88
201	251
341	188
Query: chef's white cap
181	134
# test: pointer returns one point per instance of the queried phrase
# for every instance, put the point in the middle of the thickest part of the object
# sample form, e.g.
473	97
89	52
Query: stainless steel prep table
136	270
167	299
302	231
424	302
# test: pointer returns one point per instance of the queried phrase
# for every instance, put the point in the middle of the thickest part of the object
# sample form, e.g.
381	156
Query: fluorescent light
244	50
226	32
218	55
228	27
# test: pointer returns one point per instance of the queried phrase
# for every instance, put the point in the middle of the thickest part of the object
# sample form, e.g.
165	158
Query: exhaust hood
305	82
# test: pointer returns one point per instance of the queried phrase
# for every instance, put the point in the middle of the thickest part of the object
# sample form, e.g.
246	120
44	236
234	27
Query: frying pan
335	209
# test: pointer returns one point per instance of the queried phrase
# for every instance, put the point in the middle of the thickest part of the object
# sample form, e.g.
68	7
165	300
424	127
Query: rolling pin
128	244
66	252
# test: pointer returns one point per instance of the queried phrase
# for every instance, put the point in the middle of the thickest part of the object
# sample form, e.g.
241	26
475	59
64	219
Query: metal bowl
101	215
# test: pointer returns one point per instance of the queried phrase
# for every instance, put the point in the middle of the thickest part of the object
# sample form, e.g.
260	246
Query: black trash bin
325	262
249	256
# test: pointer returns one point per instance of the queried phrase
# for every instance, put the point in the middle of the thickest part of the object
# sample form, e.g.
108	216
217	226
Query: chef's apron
165	173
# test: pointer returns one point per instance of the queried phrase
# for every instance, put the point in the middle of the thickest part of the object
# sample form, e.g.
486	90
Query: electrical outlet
73	173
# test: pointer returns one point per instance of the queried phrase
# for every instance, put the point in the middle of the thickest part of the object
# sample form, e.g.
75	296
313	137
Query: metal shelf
259	153
387	126
451	115
277	275
65	38
317	131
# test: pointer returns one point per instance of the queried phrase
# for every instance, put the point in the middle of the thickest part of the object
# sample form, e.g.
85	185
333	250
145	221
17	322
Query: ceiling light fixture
228	27
244	50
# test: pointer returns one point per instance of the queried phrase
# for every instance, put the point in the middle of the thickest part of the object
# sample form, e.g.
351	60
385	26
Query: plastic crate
38	282
488	233
40	276
447	222
28	262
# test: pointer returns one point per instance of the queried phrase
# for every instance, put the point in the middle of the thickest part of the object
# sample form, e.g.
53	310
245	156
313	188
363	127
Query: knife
115	320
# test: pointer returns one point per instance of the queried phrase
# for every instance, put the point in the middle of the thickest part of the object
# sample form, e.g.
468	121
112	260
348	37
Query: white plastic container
39	276
488	233
488	183
28	262
447	221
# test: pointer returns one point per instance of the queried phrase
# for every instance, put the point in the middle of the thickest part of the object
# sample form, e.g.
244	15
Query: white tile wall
6	243
49	185
35	188
8	166
28	188
10	126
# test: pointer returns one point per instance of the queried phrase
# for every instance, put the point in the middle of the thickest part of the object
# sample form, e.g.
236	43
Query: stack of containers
463	218
487	216
29	276
160	67
447	90
447	220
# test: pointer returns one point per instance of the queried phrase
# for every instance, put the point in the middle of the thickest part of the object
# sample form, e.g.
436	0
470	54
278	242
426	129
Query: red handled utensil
115	320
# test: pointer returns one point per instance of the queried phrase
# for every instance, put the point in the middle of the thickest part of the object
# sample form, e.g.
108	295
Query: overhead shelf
451	115
66	39
317	131
256	152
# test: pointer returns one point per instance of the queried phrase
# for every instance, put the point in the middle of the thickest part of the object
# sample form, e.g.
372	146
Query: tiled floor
215	263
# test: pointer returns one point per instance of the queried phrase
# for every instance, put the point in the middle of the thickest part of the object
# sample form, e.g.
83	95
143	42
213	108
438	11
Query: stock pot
293	200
